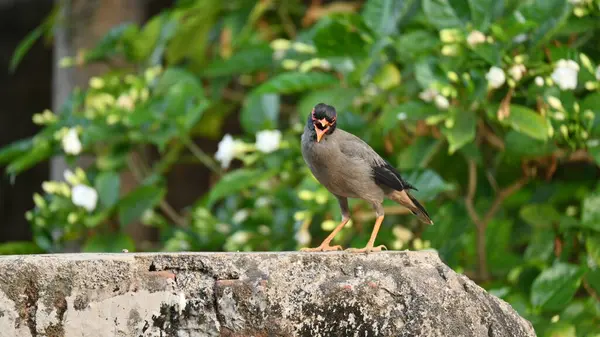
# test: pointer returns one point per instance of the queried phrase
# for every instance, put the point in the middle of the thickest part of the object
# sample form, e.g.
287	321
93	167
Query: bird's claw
367	249
322	248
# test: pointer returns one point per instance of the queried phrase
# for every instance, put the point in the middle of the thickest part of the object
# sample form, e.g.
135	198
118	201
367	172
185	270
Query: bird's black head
323	117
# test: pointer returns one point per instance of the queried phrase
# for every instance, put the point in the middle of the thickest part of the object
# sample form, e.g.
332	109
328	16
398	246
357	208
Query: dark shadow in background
23	93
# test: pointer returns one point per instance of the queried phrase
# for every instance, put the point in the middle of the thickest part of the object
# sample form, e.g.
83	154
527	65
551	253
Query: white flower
262	202
401	116
441	102
70	177
475	37
450	35
228	148
520	38
125	102
239	238
278	54
555	103
519	16
428	94
268	140
565	74
303	237
495	77
517	71
240	216
281	44
84	196
71	143
223	228
598	73
539	81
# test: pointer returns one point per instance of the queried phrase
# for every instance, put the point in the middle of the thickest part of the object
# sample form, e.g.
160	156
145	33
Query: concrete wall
246	294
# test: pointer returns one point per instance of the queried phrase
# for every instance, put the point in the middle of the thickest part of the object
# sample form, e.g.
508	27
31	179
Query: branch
481	224
503	194
471	192
591	290
137	168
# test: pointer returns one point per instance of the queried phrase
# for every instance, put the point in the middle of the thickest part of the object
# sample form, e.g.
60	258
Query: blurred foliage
490	108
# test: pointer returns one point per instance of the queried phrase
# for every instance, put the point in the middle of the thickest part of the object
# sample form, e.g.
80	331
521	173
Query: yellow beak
321	133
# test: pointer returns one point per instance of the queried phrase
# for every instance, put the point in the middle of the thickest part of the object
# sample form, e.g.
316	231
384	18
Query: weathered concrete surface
246	294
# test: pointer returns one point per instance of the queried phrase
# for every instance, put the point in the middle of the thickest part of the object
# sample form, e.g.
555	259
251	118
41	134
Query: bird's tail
405	199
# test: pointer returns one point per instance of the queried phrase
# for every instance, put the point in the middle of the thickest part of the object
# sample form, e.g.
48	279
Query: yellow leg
370	245
324	247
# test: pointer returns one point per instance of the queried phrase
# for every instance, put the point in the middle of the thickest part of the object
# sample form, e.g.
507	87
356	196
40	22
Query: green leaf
97	218
590	212
244	61
24	47
15	149
193	28
19	248
554	288
441	14
340	98
462	132
134	204
339	38
108	186
425	72
383	16
175	76
29	40
488	52
413	156
38	153
593	278
108	45
429	184
560	329
412	44
292	82
234	182
260	112
483	12
540	215
520	145
540	247
527	121
141	45
109	243
592	245
549	15
411	111
388	77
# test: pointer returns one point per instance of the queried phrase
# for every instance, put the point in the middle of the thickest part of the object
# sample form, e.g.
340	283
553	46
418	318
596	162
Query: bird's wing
383	172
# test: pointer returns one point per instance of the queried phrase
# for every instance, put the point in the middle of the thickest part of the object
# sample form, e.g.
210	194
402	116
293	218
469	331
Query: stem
287	23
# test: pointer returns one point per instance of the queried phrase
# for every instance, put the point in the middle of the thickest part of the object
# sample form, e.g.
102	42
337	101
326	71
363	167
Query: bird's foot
367	249
322	248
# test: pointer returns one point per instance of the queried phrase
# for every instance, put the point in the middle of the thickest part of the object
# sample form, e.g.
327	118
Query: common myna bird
349	168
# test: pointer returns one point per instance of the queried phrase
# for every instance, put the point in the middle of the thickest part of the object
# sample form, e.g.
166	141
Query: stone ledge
247	294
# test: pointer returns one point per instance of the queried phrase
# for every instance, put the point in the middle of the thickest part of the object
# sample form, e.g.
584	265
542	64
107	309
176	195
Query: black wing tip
388	175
